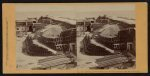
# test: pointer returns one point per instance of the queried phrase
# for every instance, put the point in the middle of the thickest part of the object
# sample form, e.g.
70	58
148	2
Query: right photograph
107	40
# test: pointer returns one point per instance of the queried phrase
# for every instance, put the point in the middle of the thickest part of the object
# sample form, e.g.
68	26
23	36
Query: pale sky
74	11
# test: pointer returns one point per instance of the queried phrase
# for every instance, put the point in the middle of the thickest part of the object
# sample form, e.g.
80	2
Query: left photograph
45	38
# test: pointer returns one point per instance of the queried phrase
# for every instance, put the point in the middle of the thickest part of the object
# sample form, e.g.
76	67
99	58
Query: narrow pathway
101	45
41	45
92	41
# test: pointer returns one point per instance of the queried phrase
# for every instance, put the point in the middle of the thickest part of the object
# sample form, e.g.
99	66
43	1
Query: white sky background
78	11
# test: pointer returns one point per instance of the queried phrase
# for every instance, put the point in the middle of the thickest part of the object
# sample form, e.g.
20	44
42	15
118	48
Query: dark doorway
30	28
88	28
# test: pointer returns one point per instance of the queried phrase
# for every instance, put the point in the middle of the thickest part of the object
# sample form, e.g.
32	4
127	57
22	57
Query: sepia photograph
46	41
76	37
106	43
106	39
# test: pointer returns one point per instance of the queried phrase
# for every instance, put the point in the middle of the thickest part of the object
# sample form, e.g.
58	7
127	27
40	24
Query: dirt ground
24	61
85	61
